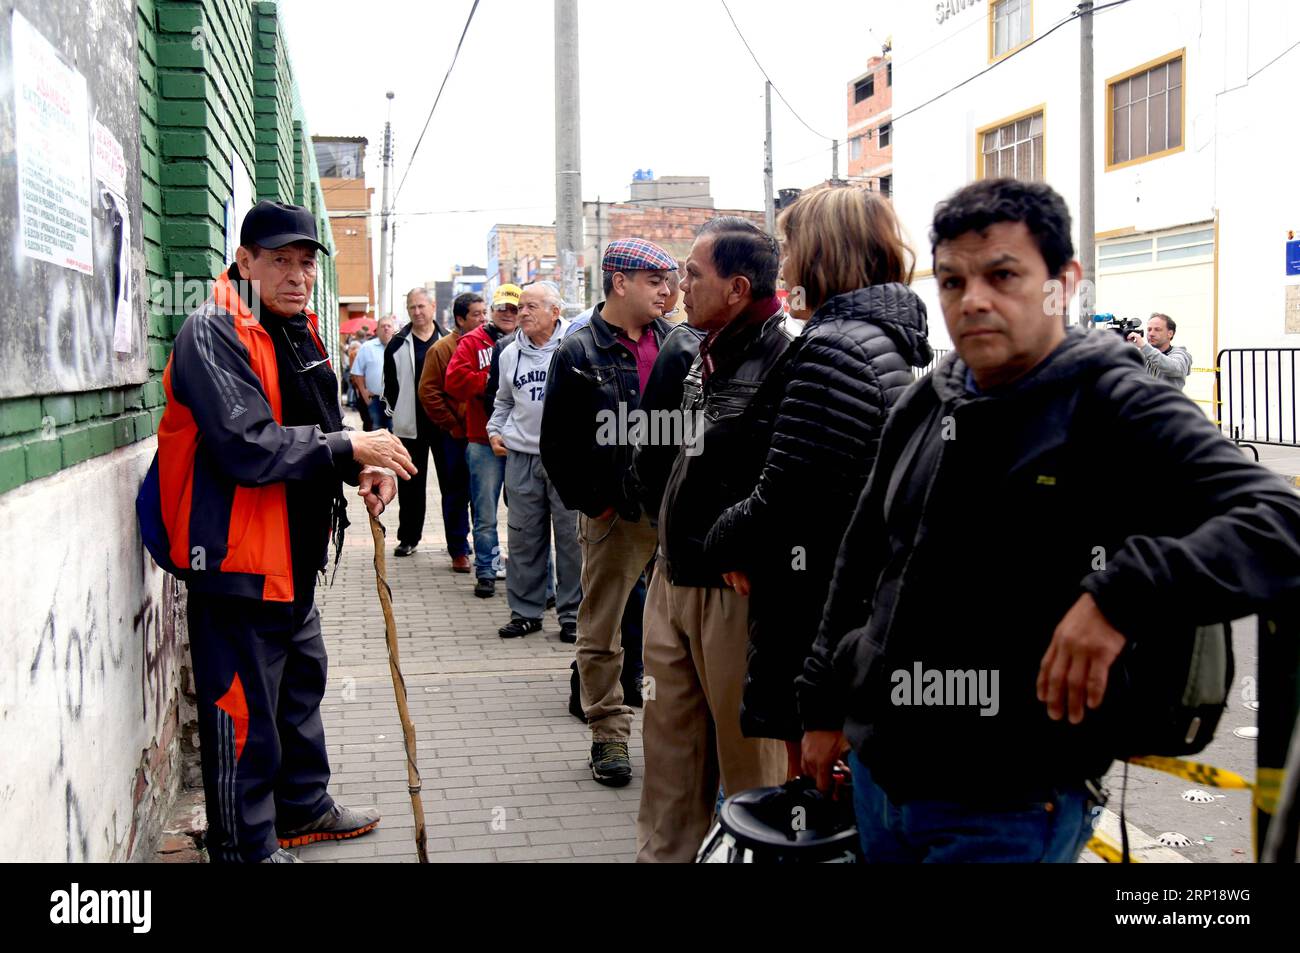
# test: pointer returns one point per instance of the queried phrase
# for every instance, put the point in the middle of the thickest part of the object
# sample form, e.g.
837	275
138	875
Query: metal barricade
939	353
1255	391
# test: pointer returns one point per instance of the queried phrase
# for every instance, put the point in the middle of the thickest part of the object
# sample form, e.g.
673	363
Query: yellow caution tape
1108	850
1268	787
1266	790
1194	771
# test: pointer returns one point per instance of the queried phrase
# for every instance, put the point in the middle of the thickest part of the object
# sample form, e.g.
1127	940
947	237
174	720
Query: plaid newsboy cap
636	254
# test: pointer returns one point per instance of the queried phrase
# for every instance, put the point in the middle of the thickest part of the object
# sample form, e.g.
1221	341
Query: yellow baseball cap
506	294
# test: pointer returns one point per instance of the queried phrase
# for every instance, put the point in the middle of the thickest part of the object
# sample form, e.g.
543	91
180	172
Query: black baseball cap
274	225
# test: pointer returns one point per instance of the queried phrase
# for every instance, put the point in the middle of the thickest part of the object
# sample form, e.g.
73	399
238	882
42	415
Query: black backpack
1167	691
1168	688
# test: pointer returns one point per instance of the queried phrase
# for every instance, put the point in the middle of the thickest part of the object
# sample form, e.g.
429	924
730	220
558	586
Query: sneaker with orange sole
338	823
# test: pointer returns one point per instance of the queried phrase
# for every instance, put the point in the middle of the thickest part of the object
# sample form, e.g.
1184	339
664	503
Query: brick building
516	254
668	211
870	126
341	161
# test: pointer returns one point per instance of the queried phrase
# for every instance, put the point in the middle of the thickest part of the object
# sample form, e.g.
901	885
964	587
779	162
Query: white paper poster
52	136
123	314
110	160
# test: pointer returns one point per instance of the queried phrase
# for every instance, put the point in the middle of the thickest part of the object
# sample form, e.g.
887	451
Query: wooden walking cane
399	689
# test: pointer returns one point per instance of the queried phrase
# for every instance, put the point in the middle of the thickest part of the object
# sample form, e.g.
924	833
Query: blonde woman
847	266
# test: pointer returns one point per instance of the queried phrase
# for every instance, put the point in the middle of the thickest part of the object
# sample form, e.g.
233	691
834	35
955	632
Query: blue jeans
487	472
453	486
379	419
951	832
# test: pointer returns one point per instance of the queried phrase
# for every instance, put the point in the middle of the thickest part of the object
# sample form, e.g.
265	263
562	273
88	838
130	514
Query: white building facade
1193	144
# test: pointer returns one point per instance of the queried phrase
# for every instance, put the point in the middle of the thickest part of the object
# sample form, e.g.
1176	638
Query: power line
1272	61
769	79
1073	16
357	214
429	118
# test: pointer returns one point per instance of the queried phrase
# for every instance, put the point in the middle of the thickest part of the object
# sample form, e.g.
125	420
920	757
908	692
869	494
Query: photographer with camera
1163	360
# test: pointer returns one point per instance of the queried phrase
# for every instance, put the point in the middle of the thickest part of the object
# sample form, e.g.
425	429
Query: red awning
353	325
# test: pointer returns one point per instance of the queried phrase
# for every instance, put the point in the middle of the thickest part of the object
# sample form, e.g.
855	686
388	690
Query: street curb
1143	848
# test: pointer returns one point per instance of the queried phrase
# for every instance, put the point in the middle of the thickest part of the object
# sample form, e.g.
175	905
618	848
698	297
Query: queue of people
823	527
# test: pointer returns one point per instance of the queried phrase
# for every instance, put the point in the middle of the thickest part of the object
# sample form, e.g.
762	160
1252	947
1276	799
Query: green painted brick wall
13	468
214	77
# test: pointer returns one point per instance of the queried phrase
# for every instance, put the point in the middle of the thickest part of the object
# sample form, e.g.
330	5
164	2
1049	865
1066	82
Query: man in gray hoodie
1163	360
514	431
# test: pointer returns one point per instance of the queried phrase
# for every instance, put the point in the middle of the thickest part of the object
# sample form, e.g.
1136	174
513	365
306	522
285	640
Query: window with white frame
855	147
1014	150
1012	25
1181	247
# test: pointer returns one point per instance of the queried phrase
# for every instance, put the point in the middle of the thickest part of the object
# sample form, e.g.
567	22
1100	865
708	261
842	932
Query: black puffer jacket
852	362
986	518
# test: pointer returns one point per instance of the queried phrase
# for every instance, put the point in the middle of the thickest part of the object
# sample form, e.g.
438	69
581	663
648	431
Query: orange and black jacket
212	508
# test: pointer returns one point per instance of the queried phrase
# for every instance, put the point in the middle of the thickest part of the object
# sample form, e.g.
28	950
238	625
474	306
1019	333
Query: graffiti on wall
93	644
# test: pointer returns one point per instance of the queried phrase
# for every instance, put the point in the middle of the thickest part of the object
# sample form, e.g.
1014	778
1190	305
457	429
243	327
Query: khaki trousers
696	647
614	554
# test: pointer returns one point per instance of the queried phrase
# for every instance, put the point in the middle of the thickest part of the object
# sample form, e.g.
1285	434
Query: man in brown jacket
448	415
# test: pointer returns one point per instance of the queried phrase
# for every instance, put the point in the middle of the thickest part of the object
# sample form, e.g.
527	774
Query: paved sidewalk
1284	461
504	765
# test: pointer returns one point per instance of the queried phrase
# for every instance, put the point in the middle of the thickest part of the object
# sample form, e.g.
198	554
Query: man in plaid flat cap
599	372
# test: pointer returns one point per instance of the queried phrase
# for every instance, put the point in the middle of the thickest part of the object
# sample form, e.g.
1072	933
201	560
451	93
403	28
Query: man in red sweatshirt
467	379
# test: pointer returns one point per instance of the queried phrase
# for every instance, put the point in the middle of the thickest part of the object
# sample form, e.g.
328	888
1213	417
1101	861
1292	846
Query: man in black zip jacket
972	683
594	383
697	630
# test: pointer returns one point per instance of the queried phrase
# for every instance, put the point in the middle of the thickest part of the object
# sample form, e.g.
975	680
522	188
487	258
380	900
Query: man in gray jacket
1163	360
514	431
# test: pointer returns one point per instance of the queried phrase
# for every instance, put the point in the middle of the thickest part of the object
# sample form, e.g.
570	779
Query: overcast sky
666	85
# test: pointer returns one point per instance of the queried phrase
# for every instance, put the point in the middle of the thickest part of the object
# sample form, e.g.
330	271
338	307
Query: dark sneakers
569	632
338	823
610	764
485	588
517	628
404	549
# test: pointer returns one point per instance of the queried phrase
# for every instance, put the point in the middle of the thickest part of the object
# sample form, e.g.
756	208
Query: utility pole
769	208
835	160
1087	169
568	157
392	256
385	301
598	292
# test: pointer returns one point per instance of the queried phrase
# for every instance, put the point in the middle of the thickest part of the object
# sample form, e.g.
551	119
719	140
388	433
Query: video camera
1121	326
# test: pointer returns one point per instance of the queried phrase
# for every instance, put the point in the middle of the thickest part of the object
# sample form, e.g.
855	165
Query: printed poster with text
52	130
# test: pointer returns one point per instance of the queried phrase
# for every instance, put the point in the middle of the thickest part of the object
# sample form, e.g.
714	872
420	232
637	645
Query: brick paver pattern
503	763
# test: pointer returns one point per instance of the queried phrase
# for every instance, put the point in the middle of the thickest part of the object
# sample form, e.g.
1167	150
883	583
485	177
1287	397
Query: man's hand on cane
379	448
377	486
